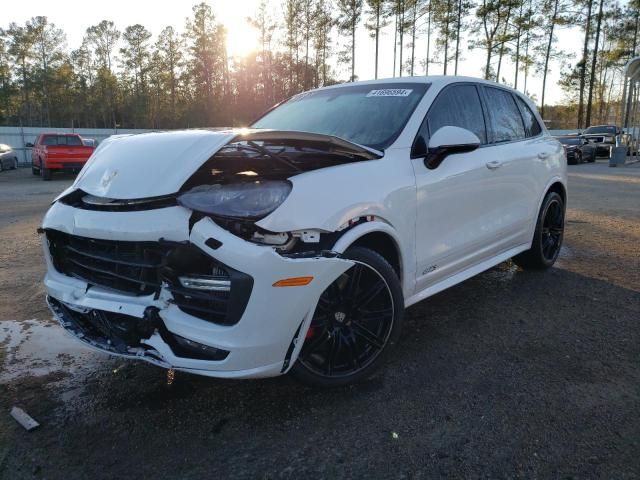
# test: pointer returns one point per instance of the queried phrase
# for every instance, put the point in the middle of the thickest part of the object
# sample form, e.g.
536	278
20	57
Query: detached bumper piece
144	268
125	335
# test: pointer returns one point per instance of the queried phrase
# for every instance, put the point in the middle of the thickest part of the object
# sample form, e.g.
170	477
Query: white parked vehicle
296	245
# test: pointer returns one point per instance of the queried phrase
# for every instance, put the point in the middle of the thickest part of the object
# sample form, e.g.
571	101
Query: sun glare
242	39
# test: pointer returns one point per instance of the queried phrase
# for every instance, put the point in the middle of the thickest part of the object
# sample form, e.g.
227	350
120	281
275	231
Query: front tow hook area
125	335
113	332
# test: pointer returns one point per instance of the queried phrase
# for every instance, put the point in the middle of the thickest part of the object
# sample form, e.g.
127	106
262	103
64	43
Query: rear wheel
578	157
357	319
547	238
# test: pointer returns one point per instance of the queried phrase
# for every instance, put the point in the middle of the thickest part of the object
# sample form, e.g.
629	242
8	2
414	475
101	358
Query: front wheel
547	238
357	320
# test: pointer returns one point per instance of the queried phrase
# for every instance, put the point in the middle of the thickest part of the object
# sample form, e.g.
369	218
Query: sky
74	16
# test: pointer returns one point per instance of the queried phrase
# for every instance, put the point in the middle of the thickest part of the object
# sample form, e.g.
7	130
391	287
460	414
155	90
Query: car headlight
243	200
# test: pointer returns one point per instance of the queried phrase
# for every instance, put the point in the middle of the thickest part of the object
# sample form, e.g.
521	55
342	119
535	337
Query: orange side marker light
293	282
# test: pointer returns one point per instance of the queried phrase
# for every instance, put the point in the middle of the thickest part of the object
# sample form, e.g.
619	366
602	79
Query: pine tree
350	13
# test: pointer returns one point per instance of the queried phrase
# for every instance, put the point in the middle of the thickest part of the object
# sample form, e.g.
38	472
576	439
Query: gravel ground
511	374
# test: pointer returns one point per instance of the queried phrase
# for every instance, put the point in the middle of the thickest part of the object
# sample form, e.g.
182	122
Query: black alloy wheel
552	230
548	236
357	317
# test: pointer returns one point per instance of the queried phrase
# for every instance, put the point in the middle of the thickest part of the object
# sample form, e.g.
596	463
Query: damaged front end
247	179
185	277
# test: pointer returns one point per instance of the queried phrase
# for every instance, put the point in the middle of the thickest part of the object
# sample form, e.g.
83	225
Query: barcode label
390	92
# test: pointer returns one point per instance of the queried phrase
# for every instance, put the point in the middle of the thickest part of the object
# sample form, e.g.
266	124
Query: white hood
126	167
149	164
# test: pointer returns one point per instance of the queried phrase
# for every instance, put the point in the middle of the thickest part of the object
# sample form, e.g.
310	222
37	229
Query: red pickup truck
58	151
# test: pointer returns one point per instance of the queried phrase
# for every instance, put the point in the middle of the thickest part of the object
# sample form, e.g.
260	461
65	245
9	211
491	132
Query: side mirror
28	145
447	141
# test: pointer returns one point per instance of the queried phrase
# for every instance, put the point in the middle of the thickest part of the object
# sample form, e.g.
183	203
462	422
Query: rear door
457	225
519	150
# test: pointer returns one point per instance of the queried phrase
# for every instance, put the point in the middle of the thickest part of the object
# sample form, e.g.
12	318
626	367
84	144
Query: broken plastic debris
171	374
24	419
117	369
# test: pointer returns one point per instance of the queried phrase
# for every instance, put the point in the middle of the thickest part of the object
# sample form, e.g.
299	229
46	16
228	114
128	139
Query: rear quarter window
531	124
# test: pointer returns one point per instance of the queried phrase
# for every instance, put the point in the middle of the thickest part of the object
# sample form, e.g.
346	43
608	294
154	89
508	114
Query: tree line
185	78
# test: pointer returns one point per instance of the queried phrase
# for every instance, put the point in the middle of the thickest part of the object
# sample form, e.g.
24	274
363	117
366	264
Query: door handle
543	155
494	164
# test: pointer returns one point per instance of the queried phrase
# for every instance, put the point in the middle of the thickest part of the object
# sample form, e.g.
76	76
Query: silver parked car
8	157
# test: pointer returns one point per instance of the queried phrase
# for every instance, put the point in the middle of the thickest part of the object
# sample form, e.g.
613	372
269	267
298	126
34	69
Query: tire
346	342
547	238
45	173
579	158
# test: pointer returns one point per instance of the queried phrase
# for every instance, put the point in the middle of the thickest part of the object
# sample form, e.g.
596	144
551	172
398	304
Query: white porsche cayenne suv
296	244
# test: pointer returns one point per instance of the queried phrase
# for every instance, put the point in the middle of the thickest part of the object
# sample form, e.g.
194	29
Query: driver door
456	224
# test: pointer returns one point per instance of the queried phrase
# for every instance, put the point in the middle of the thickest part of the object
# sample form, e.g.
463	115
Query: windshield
371	115
606	129
570	141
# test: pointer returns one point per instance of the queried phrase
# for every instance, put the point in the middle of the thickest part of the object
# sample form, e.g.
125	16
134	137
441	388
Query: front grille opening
130	267
142	268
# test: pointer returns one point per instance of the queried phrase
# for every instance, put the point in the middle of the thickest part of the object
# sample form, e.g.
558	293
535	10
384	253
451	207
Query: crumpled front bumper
260	344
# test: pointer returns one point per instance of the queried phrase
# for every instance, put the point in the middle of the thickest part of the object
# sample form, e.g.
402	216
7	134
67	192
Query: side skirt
465	274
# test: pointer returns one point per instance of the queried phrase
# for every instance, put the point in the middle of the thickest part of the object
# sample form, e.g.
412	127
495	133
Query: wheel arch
560	189
379	237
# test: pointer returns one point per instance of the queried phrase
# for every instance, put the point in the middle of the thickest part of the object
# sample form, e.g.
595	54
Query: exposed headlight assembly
241	200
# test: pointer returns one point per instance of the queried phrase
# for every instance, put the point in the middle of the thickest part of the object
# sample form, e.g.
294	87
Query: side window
531	124
505	116
458	106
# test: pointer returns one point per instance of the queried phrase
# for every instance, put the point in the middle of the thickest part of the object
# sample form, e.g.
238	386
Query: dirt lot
510	374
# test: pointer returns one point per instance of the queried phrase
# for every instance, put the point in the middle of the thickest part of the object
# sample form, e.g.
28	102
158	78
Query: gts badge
432	268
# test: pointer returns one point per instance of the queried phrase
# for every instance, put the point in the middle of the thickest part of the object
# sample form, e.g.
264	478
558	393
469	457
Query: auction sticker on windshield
390	92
